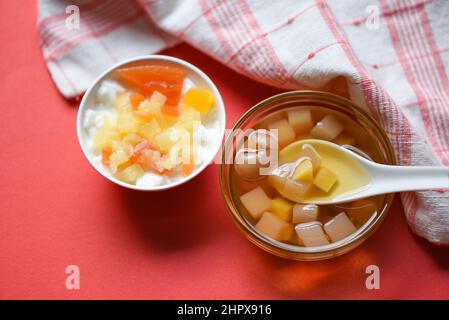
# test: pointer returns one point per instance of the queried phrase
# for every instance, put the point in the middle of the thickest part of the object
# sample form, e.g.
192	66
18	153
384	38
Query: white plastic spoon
386	178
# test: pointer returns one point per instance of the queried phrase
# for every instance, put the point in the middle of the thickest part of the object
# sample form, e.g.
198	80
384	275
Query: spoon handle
408	178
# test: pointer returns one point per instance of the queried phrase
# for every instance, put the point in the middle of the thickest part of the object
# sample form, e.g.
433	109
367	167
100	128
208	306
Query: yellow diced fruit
285	132
131	173
103	138
171	136
300	120
256	202
344	139
201	100
122	103
118	157
131	138
309	151
282	208
339	227
325	179
157	99
327	129
150	130
304	171
274	227
127	123
305	213
311	234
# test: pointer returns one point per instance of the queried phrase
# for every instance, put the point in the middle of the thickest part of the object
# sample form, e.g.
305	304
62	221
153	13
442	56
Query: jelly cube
339	227
274	227
300	120
311	234
344	139
247	164
201	100
303	172
285	132
261	139
131	173
305	213
282	208
294	190
325	179
277	181
256	202
327	129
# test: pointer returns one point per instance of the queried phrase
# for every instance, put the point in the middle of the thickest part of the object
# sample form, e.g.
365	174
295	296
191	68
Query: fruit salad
151	124
280	204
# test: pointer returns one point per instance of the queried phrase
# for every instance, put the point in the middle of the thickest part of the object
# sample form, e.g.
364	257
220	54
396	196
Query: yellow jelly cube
285	132
256	202
304	171
282	208
131	173
325	179
201	100
300	120
274	227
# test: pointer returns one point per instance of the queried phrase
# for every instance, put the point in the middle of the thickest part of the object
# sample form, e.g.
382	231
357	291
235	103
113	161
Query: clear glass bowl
382	147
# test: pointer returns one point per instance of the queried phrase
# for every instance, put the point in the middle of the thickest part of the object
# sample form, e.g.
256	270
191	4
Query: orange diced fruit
327	129
187	169
282	208
274	227
105	154
300	120
285	132
256	202
201	100
170	110
311	234
339	227
325	179
135	99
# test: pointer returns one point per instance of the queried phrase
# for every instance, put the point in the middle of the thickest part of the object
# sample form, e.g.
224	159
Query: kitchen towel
390	56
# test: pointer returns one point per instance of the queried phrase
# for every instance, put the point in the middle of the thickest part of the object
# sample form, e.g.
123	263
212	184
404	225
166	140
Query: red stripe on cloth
182	32
105	30
101	19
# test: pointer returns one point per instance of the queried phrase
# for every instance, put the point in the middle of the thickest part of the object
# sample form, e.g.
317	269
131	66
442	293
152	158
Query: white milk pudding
151	125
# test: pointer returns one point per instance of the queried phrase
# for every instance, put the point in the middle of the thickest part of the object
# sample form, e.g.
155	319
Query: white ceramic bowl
193	73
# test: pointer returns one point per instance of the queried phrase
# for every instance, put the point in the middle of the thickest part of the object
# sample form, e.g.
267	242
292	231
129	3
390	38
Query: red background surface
55	210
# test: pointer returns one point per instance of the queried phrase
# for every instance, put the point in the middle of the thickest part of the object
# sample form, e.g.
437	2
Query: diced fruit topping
327	129
151	130
285	132
311	234
274	227
339	227
300	120
305	213
325	179
201	100
256	202
303	172
282	208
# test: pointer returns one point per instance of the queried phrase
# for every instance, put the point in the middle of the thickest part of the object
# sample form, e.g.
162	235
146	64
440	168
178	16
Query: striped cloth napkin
391	56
